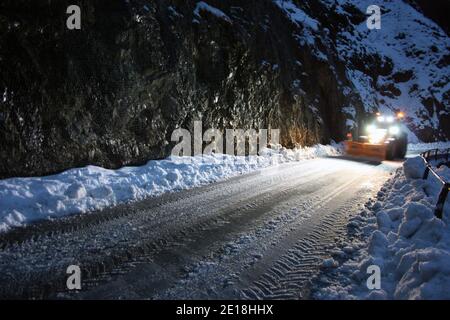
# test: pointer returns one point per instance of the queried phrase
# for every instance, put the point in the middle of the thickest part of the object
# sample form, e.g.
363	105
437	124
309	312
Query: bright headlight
394	130
371	128
390	119
377	136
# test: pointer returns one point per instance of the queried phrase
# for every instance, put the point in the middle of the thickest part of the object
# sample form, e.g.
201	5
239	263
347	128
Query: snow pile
414	168
203	6
284	155
399	233
443	172
23	200
422	147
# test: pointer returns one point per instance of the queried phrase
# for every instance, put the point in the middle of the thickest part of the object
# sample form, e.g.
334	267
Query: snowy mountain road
262	235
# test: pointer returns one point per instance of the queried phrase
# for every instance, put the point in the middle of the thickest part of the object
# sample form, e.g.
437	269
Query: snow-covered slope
404	66
399	233
413	50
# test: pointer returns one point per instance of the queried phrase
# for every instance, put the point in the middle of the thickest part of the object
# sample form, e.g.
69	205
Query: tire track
290	277
263	286
41	273
166	236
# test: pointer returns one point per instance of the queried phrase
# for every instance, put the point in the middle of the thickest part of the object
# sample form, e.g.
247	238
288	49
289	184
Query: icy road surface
263	235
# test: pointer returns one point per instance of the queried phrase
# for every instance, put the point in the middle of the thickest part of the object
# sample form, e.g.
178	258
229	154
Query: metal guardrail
436	155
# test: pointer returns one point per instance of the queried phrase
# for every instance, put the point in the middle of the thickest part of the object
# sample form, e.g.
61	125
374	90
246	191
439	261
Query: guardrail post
426	156
441	200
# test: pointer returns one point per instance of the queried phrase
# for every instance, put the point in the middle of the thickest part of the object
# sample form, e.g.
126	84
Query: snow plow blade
366	150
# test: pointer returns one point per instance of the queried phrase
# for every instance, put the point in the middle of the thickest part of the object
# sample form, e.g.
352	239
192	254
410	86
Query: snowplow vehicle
384	139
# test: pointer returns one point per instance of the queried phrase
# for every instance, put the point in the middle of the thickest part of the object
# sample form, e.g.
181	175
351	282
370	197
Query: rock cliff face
436	10
111	93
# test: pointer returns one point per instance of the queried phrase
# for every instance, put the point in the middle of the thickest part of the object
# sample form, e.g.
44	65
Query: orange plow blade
361	149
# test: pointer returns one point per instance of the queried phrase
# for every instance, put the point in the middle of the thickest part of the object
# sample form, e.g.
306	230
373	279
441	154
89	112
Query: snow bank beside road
422	147
399	233
23	200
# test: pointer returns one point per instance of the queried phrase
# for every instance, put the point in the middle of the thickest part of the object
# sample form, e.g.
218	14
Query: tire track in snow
290	277
144	231
166	236
241	216
276	274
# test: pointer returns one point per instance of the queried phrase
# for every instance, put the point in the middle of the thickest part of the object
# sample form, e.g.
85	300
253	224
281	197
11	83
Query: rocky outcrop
111	93
436	10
